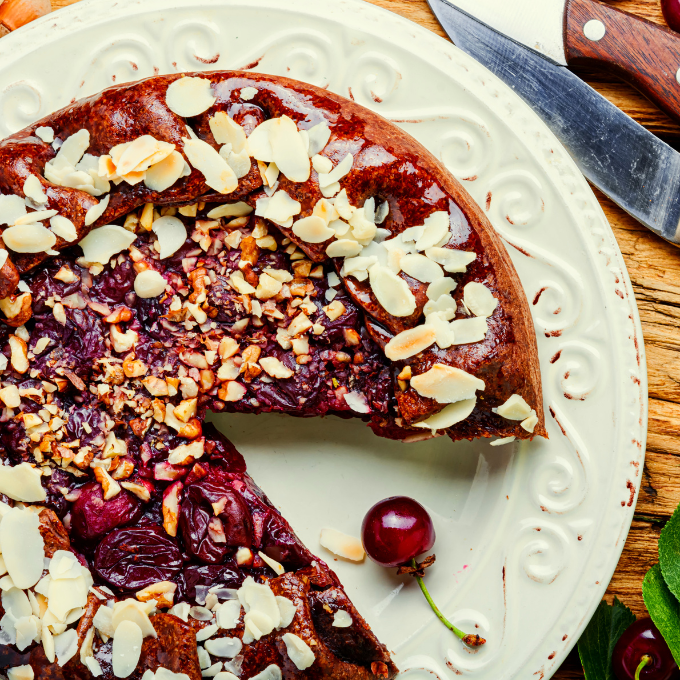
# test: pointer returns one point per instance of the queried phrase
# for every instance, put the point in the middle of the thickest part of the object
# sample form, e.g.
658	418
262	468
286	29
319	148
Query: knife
528	43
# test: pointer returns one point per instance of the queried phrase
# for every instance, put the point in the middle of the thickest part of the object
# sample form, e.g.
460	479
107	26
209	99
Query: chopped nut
171	508
232	391
163	592
155	386
133	368
334	310
186	410
405	373
122	342
19	354
109	485
139	489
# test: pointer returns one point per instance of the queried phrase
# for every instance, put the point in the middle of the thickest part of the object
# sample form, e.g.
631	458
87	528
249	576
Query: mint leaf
669	553
600	637
664	608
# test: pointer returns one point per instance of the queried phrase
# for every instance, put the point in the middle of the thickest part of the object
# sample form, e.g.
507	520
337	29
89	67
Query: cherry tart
265	169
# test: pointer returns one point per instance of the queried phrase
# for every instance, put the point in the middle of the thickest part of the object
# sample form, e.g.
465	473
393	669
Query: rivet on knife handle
643	53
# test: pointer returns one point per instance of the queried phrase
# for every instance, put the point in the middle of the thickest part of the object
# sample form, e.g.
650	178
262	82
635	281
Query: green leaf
600	637
669	553
664	608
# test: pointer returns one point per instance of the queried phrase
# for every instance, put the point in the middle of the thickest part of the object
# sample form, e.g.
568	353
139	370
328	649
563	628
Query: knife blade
638	171
593	33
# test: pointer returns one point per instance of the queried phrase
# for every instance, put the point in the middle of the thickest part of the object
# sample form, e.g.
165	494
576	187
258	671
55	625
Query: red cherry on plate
671	13
643	639
396	530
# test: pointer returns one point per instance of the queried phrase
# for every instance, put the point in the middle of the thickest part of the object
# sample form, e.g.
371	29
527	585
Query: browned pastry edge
24	154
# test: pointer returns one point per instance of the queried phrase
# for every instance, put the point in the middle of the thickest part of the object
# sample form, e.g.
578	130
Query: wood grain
654	268
643	53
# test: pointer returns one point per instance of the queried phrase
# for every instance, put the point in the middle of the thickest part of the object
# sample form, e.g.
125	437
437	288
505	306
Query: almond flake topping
342	545
33	190
410	342
530	423
453	261
318	138
344	248
149	284
230	210
298	651
392	292
441	287
22	546
479	299
342	619
247	93
449	415
96	211
467	331
63	228
29	238
21	482
226	131
171	234
446	384
216	171
101	244
312	229
127	649
11	209
288	151
357	402
341	170
280	208
46	134
421	268
163	174
188	96
436	229
515	408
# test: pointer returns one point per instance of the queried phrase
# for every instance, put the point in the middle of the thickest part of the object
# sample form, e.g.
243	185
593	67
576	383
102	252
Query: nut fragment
17	309
162	591
19	354
171	507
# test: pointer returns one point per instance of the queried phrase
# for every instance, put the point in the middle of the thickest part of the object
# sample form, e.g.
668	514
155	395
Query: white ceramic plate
528	536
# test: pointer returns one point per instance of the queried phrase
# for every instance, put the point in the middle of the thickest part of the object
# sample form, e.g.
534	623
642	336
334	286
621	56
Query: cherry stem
644	661
472	640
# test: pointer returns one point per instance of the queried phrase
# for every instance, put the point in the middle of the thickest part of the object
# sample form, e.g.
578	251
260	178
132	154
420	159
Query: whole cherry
394	532
642	654
671	13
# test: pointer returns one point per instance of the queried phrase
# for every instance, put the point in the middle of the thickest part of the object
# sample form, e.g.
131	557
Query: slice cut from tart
183	571
252	243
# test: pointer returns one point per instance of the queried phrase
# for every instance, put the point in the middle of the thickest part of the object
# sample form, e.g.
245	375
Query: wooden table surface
654	268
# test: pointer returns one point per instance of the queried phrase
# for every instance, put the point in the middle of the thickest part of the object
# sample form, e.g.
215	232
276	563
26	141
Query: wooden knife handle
639	51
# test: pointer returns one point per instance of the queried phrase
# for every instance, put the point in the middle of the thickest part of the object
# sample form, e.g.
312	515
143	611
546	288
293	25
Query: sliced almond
344	248
259	144
515	408
189	96
288	151
530	423
74	147
11	209
410	342
22	546
33	189
46	134
446	384
96	211
467	331
421	268
63	228
247	93
275	368
318	138
164	174
230	210
101	244
299	652
149	284
226	131
357	402
29	238
453	261
479	299
437	227
449	416
341	170
216	171
21	482
322	164
392	292
281	209
171	234
312	229
440	287
127	648
342	544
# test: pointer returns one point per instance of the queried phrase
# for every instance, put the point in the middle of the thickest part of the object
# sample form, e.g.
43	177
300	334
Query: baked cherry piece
642	654
671	13
396	530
